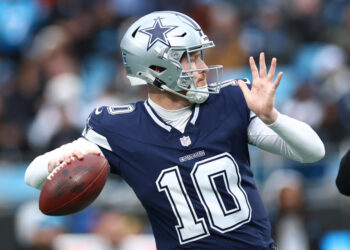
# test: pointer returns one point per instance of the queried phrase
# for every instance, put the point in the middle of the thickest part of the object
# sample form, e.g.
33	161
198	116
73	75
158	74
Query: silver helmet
159	40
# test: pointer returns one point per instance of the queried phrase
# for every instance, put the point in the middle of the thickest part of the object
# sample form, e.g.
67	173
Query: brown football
72	187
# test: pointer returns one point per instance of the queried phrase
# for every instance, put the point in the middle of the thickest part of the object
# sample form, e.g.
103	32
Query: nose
204	66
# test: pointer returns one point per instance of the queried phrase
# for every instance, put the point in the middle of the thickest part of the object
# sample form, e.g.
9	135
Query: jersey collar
161	123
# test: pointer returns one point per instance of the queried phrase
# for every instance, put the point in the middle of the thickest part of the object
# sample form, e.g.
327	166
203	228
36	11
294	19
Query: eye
194	58
197	58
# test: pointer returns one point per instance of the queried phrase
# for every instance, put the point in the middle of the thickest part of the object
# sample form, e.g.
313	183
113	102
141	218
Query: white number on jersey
120	109
190	227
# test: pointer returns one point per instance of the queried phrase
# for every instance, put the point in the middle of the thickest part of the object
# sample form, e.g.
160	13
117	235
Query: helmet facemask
187	82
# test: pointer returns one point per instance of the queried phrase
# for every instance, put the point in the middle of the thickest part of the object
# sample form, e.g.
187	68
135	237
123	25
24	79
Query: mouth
200	81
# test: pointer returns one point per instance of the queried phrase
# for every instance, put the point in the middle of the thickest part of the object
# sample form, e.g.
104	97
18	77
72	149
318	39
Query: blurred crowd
59	59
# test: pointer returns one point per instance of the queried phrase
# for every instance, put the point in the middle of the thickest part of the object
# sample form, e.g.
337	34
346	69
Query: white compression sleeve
288	137
37	171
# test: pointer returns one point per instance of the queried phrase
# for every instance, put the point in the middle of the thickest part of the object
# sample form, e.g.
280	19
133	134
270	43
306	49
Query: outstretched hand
261	98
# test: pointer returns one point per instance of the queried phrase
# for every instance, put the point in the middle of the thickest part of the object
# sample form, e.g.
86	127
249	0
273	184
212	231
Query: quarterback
184	150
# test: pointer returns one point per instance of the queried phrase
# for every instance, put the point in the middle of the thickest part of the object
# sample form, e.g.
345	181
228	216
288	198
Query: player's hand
261	98
76	154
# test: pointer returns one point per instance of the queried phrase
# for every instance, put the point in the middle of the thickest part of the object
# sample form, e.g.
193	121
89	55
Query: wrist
271	118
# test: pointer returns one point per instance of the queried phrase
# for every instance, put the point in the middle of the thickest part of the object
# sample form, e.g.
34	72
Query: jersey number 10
190	227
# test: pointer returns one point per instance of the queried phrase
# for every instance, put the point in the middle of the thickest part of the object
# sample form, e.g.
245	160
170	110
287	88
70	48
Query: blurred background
59	59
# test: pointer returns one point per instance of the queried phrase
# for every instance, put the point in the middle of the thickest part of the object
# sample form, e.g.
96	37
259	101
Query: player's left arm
288	137
275	132
343	178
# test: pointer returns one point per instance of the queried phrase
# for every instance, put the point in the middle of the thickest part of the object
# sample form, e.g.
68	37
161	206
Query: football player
343	177
184	150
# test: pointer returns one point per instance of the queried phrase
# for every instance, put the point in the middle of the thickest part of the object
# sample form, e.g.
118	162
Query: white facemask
198	97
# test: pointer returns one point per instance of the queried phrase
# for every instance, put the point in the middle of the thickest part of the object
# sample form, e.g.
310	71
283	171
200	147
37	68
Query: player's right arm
343	178
43	165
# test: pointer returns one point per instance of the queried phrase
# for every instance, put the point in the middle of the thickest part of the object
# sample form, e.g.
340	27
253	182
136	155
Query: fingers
91	151
253	68
244	88
262	65
78	154
51	165
278	80
67	158
272	70
262	69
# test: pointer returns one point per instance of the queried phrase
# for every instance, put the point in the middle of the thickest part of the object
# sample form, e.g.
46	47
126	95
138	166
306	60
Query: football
72	187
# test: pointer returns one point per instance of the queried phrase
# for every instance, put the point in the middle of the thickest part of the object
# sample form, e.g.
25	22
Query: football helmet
153	47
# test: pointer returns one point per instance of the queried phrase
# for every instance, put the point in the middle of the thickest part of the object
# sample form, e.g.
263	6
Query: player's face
196	63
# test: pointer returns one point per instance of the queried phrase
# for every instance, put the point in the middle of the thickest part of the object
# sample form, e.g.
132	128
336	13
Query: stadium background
60	58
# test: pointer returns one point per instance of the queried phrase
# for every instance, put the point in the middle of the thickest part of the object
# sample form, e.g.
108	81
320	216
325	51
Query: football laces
56	169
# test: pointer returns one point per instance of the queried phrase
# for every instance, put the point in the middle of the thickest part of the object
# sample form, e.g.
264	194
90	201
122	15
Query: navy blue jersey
197	187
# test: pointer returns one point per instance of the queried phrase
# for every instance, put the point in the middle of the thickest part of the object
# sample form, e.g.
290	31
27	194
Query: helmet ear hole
157	69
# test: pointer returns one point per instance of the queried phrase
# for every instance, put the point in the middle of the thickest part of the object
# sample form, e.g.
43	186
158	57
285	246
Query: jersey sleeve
96	131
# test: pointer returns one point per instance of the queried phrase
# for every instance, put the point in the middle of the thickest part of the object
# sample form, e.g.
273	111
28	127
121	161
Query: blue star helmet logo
158	33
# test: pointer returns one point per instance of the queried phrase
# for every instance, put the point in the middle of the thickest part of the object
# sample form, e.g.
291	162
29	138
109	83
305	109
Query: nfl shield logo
185	141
